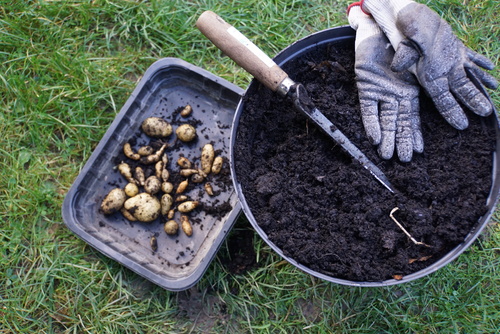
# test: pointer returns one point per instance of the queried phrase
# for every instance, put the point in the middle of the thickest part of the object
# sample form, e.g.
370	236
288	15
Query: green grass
67	67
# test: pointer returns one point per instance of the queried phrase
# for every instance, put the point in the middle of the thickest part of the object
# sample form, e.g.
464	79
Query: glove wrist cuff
385	13
363	23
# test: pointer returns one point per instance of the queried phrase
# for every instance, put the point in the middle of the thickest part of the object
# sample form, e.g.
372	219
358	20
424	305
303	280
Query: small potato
181	198
155	157
186	111
209	189
154	243
156	127
129	152
167	187
207	158
217	165
184	162
171	227
187	206
171	214
182	187
128	215
140	176
186	225
126	171
131	189
113	201
144	207
166	203
186	132
198	177
152	185
188	172
159	168
145	150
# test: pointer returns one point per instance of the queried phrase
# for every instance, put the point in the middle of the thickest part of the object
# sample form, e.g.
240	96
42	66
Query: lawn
66	69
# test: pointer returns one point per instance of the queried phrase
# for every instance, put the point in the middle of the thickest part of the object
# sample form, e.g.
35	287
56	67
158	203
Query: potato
145	150
156	127
166	203
144	207
186	132
186	111
128	215
207	158
188	172
184	162
113	201
129	152
140	176
167	187
209	189
182	187
152	185
187	206
126	171
198	177
217	165
171	227
186	225
155	157
131	189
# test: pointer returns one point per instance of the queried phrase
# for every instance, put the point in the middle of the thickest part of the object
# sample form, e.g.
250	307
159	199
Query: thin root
404	230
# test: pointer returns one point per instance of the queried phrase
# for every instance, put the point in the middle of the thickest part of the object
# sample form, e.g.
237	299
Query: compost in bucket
324	211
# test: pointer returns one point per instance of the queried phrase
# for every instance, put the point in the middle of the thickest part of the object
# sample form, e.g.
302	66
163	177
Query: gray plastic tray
179	261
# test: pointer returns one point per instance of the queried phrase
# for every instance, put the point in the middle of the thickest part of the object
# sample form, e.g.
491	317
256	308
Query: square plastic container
179	261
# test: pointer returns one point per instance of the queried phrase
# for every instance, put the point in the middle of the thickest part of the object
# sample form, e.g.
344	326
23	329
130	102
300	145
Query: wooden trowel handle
241	50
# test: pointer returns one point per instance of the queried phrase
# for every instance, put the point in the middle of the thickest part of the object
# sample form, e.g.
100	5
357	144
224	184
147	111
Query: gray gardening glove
425	44
388	100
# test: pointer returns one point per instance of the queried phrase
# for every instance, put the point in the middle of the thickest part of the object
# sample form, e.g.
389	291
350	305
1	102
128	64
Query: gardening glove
388	100
425	44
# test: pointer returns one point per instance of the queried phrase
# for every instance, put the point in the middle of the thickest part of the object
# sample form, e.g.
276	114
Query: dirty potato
125	170
182	187
186	225
144	207
167	187
209	189
113	201
217	165
186	111
156	127
166	203
184	162
145	150
131	189
152	185
207	158
186	132
129	152
171	227
188	206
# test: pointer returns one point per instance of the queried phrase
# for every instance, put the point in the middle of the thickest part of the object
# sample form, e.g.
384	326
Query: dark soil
327	212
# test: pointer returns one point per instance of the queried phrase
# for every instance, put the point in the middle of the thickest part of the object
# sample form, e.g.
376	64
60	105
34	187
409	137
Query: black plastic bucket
345	35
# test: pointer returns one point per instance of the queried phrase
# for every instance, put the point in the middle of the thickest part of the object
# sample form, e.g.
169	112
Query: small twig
404	230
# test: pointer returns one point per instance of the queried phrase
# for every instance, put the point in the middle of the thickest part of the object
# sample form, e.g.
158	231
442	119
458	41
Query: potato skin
186	132
207	158
144	207
156	127
171	227
113	201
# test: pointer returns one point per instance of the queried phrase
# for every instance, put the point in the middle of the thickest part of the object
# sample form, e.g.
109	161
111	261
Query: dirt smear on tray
326	211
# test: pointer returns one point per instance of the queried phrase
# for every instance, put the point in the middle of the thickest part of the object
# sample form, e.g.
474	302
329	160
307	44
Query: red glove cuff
358	3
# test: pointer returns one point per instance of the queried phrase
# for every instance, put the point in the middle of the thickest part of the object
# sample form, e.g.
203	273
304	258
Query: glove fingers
469	94
369	115
486	79
418	139
388	120
446	104
406	55
480	60
404	136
